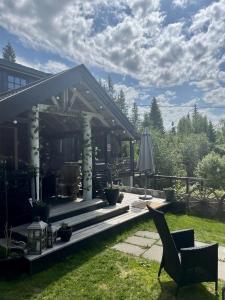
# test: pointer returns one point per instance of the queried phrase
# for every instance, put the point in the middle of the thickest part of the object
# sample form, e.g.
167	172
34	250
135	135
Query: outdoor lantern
52	235
37	236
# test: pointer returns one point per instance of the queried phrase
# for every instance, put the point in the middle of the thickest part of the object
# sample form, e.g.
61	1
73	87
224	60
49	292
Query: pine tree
155	116
211	133
173	128
121	102
110	88
9	53
135	116
146	120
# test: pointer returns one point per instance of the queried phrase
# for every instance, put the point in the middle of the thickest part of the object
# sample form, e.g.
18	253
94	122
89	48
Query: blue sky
171	49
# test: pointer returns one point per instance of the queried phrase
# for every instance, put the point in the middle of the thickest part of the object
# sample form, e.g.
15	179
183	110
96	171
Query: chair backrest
171	257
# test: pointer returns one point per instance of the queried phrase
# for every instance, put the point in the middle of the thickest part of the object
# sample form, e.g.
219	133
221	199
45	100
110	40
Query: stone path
147	244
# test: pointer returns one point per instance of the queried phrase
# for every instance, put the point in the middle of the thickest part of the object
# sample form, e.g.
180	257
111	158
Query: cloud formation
128	37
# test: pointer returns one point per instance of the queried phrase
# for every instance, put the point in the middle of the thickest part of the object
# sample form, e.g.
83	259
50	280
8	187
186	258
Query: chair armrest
206	256
183	238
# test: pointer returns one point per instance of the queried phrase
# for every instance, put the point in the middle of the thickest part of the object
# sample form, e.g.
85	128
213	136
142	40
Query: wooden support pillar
108	148
131	163
16	159
87	158
35	151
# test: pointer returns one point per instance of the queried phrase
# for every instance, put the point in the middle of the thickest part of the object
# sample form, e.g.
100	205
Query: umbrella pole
145	197
145	185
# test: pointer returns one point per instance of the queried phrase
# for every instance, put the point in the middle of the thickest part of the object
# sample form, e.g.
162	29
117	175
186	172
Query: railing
188	181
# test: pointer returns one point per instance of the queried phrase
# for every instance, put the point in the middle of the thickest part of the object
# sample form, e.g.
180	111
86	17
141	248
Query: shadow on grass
29	287
193	292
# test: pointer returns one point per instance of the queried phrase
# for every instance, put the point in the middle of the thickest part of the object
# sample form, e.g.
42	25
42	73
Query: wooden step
80	237
67	210
80	221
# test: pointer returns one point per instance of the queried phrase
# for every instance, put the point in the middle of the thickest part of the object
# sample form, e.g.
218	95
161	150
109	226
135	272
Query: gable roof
15	67
17	101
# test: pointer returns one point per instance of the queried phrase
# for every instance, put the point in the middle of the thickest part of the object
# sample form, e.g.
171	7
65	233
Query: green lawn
98	272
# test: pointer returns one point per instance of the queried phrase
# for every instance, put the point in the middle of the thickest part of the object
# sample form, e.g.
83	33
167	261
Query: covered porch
57	137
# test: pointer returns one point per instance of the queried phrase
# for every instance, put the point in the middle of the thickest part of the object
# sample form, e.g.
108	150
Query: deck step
60	250
80	221
67	210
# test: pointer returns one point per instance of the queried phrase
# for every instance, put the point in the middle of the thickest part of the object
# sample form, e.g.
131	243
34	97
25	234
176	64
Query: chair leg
161	266
216	287
177	290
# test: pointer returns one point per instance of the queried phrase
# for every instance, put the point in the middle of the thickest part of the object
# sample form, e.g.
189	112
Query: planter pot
42	212
112	196
170	195
120	198
65	234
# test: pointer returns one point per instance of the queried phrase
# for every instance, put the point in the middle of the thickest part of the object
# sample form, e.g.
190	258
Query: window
15	82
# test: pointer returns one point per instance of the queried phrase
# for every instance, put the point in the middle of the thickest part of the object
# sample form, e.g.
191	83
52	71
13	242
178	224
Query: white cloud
49	67
129	37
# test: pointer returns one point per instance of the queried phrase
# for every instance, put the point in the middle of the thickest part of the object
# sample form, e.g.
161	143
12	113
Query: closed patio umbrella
145	161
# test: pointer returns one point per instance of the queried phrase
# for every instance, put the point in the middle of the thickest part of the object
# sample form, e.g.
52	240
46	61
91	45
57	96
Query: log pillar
35	152
87	157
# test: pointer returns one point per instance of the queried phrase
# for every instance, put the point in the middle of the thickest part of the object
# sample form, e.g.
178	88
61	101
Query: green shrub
212	168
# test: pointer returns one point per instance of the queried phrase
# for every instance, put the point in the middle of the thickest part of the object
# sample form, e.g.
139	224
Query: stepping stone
221	253
140	241
154	253
200	244
221	270
159	242
148	234
128	248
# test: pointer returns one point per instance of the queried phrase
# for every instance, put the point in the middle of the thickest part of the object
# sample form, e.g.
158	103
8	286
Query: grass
99	273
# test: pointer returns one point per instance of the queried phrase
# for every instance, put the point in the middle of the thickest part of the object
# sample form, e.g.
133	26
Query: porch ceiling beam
50	109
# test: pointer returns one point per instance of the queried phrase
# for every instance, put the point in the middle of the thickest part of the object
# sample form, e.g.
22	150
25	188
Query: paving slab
148	234
154	253
221	270
140	241
200	244
130	249
159	243
221	253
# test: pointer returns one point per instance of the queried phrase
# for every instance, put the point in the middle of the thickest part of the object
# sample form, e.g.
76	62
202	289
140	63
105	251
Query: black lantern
37	236
51	235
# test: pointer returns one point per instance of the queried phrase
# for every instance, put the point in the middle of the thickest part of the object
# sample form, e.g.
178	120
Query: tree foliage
8	53
121	102
155	116
212	168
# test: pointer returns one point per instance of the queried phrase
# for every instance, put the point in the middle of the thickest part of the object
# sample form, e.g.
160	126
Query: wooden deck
89	224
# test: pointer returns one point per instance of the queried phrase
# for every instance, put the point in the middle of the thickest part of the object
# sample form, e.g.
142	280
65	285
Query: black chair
184	262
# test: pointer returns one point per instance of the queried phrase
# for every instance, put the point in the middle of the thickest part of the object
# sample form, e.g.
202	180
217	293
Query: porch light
15	122
37	236
101	107
51	235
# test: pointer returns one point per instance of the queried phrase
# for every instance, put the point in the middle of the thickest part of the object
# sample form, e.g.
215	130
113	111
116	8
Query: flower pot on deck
112	195
170	194
65	234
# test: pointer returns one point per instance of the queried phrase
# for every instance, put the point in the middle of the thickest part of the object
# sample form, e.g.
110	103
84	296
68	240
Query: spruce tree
173	128
135	116
121	102
110	88
146	120
8	53
211	133
155	116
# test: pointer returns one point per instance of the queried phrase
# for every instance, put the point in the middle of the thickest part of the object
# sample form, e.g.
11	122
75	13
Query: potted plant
12	261
170	194
65	232
112	193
